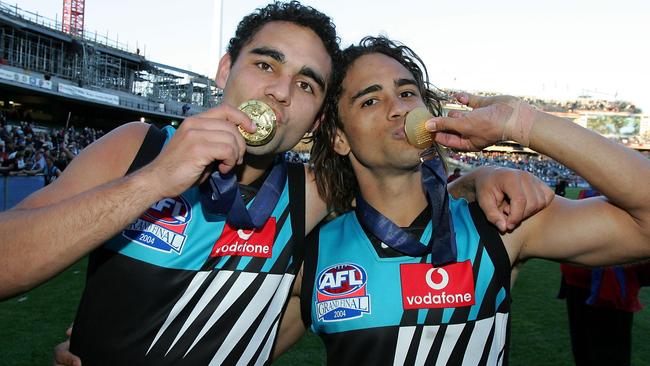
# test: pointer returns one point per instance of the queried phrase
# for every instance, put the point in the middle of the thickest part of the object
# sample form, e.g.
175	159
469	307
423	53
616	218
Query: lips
279	120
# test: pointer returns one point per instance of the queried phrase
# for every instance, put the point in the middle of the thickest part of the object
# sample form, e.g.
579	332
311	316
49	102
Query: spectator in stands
73	149
48	143
560	187
61	159
3	152
51	172
455	175
20	160
37	166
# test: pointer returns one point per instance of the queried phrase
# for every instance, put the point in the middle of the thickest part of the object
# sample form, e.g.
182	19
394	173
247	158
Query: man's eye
368	103
406	94
306	87
264	66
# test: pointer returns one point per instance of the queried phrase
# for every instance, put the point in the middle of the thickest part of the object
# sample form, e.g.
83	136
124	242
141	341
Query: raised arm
93	200
594	231
506	196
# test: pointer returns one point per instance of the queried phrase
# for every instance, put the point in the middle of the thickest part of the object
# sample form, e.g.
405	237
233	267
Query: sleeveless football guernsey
374	308
179	286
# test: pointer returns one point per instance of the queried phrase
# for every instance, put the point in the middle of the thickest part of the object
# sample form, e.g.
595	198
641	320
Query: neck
253	167
399	197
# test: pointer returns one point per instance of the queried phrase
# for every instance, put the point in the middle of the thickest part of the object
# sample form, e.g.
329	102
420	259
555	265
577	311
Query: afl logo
170	211
341	279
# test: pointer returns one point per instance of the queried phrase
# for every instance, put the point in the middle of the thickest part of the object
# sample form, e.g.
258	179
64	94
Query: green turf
30	325
33	323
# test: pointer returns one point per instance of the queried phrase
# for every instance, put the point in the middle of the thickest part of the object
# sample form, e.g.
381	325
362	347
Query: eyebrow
368	90
377	87
279	57
310	73
402	82
274	54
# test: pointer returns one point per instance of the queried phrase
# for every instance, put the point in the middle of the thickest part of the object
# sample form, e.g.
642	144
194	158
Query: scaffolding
95	62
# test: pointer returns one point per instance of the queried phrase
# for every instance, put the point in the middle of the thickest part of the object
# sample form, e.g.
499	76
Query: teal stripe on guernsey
169	131
500	297
198	236
465	233
195	249
485	274
486	269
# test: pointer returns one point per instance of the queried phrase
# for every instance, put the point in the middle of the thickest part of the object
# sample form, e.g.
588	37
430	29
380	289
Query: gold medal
264	119
416	134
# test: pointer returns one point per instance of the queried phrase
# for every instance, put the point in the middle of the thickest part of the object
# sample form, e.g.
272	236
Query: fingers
471	100
454	124
547	193
455	114
517	208
492	206
228	113
454	141
222	128
63	356
222	147
198	131
531	196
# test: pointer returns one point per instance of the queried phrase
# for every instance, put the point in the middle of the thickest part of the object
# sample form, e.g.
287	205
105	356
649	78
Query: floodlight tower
73	17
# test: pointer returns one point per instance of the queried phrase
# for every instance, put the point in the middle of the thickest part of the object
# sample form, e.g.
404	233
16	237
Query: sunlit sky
552	49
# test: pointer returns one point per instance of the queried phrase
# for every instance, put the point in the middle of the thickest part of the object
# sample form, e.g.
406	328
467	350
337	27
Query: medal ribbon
442	244
220	195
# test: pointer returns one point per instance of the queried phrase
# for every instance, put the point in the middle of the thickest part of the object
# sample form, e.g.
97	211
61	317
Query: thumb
447	124
63	356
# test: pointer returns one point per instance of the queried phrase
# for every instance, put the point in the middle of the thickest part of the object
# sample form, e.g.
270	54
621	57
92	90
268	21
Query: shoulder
102	161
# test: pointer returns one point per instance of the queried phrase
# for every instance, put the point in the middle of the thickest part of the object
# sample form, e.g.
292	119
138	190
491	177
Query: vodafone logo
425	287
246	243
243	235
444	278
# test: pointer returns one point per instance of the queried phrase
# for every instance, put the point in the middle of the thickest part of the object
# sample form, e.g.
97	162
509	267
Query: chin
271	148
261	150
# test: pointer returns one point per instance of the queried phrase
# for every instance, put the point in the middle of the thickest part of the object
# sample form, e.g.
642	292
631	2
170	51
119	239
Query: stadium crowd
27	149
575	105
546	169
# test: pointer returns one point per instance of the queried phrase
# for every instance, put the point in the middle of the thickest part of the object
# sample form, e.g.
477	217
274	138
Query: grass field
31	324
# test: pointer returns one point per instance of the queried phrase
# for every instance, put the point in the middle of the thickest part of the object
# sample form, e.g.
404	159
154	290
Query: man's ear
224	71
341	145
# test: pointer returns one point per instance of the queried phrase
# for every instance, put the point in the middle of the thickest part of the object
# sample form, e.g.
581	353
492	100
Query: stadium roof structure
38	58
